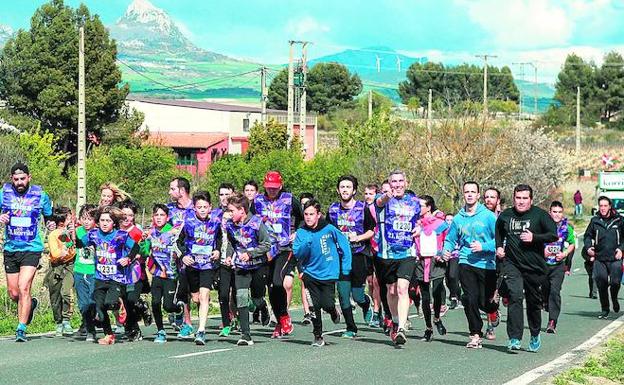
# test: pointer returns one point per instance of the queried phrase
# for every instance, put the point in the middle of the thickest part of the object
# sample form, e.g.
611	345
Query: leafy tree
330	86
278	91
263	139
39	72
578	73
454	85
610	84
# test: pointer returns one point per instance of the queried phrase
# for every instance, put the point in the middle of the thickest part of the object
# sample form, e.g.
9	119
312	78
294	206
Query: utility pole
263	97
578	122
485	101
297	90
82	134
534	89
370	104
291	91
429	113
523	78
302	99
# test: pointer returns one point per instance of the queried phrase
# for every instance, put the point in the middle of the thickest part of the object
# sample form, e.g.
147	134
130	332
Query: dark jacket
605	235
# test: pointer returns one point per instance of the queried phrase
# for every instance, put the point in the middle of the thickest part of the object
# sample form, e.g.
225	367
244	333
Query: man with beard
355	221
22	206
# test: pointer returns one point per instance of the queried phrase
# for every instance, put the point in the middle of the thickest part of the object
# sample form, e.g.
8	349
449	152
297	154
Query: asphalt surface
369	359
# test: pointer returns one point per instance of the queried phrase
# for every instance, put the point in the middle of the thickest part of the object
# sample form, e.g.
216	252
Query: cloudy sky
452	31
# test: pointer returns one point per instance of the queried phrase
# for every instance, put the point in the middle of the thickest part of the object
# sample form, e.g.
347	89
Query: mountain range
158	60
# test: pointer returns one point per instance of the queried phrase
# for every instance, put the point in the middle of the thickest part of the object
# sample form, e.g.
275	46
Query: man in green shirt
556	255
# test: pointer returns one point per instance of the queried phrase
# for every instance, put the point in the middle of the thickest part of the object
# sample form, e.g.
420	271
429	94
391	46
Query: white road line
200	353
567	358
334	332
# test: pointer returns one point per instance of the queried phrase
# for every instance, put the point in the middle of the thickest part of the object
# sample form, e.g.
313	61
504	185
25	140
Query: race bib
277	228
201	250
402	226
107	269
428	244
552	250
21	221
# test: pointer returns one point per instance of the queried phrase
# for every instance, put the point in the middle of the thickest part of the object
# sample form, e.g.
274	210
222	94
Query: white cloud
306	27
521	23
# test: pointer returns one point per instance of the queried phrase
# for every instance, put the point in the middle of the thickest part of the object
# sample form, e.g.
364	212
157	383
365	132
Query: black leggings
452	278
106	295
383	289
434	287
226	286
321	297
279	267
478	286
246	281
608	277
130	298
163	296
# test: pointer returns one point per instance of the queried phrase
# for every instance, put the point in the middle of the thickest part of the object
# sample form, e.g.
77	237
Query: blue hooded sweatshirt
467	228
315	250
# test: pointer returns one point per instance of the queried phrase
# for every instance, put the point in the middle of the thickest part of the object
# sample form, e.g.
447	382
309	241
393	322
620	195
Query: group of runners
246	244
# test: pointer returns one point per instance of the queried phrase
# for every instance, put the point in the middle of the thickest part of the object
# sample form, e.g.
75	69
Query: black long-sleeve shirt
527	256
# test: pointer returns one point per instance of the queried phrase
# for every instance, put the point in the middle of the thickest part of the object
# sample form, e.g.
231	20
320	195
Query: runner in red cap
281	213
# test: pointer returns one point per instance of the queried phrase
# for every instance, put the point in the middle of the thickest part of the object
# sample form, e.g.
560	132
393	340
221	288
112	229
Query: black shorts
201	278
390	270
16	259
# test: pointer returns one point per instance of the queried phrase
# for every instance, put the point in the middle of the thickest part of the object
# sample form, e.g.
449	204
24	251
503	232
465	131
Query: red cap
273	179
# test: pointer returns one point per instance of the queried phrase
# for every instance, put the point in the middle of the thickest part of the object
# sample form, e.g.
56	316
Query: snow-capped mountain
145	30
6	33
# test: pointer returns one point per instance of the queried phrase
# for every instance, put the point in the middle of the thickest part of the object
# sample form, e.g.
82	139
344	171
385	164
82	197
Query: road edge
576	354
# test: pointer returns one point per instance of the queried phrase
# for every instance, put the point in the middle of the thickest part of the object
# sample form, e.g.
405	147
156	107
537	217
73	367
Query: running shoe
494	318
552	327
307	319
119	329
90	337
20	336
387	326
490	334
82	330
200	338
604	314
59	330
443	310
368	314
121	313
277	332
428	336
185	332
67	330
225	332
135	335
318	342
287	326
265	317
107	340
348	334
440	326
475	342
145	312
534	344
161	337
375	321
514	344
453	304
399	337
34	304
245	340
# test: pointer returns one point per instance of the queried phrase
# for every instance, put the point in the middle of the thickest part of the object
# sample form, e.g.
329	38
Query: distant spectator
578	203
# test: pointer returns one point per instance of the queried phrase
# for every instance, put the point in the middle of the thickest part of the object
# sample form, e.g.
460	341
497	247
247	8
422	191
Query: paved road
370	359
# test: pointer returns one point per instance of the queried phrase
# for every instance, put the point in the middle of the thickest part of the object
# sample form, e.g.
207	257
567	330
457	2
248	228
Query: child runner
324	254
